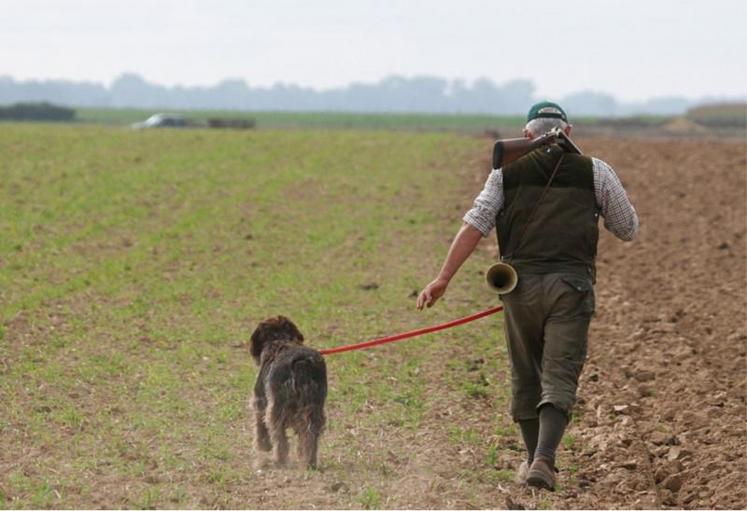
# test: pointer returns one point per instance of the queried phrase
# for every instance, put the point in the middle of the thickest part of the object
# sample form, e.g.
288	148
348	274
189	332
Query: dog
290	390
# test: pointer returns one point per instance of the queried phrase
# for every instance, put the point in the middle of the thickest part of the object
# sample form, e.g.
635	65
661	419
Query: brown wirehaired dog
290	390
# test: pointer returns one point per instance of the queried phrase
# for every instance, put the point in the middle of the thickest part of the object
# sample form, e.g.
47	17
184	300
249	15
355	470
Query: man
545	207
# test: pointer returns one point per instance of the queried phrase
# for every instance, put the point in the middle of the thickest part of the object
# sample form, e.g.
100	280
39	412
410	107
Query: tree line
392	94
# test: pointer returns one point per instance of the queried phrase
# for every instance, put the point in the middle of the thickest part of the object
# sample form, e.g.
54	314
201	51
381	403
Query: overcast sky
633	49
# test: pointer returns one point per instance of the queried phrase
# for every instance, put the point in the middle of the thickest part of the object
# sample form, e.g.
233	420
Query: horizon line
468	83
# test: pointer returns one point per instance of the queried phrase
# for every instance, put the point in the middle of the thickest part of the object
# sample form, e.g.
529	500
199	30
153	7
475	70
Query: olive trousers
546	321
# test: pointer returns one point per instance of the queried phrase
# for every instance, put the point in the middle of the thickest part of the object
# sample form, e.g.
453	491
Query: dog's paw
263	444
262	463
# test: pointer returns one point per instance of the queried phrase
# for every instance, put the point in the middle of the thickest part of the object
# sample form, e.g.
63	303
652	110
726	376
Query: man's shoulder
495	176
599	164
582	159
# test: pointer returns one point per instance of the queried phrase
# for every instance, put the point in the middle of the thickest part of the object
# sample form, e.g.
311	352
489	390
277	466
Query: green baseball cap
546	109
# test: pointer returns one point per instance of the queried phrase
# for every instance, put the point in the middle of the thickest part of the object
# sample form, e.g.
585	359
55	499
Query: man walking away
545	207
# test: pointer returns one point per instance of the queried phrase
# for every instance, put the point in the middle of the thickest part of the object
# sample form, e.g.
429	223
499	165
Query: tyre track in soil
660	418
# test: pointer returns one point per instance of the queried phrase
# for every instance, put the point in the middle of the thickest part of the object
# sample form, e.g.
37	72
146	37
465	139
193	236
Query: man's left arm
620	217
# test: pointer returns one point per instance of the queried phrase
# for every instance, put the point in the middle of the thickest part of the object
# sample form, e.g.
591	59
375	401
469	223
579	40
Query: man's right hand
432	293
463	245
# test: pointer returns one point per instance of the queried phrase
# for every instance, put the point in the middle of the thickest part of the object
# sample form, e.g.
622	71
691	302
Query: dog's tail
309	377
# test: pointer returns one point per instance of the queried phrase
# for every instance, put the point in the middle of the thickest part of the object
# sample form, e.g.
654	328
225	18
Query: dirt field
661	415
663	396
661	420
662	401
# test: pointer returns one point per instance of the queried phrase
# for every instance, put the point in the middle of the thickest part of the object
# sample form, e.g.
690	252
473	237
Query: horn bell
502	278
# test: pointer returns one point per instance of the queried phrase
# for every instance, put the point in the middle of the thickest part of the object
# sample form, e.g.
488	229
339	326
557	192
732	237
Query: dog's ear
258	341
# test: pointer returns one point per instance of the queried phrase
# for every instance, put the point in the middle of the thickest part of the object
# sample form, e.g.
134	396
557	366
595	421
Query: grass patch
370	498
135	265
569	440
460	435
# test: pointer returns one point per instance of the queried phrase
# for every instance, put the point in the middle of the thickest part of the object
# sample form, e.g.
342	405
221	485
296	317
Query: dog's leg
308	438
301	429
281	445
307	447
262	437
276	424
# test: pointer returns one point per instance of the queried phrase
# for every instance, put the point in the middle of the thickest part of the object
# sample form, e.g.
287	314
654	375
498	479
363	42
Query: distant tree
130	90
669	105
590	103
233	93
484	96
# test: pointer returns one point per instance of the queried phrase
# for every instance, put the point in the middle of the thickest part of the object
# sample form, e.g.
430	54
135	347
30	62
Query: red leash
414	333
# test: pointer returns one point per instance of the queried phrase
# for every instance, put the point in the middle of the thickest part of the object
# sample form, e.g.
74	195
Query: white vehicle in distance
162	121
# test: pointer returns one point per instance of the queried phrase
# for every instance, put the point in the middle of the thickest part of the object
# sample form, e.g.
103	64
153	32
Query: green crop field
462	123
135	265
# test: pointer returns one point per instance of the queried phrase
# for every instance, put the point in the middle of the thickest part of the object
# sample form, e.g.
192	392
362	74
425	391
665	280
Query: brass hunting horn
502	277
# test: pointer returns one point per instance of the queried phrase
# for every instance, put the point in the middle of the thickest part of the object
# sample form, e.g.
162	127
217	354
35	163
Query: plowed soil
661	419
